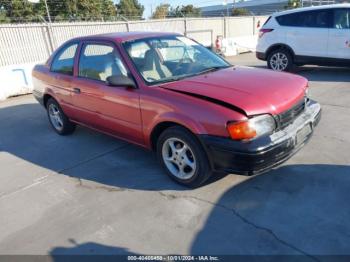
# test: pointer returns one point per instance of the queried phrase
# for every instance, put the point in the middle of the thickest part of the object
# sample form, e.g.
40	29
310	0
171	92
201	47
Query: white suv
314	35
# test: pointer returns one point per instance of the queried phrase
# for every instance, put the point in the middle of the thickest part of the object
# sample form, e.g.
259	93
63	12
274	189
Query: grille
287	117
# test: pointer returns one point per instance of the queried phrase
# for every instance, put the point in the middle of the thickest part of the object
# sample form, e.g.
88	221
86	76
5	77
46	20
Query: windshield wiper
171	79
176	78
211	69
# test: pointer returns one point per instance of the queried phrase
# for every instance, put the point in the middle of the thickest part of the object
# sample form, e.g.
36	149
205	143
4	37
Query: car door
307	32
111	109
339	45
62	67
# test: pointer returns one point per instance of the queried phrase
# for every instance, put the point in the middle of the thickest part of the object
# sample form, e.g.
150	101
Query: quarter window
99	61
315	19
341	19
64	61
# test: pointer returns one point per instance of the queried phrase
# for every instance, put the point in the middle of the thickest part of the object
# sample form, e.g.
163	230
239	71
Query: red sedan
169	94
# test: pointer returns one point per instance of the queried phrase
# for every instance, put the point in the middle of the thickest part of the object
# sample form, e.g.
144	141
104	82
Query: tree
16	11
58	9
23	10
293	4
161	12
131	9
108	9
77	9
3	15
185	11
89	9
191	11
240	12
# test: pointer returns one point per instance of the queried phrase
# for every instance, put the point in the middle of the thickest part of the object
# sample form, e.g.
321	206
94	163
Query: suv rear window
316	18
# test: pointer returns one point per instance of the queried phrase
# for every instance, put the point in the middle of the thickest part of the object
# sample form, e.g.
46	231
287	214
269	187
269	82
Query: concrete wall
16	80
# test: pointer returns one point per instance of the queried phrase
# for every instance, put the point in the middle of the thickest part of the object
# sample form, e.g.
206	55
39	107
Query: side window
341	19
99	61
318	19
314	19
138	50
64	61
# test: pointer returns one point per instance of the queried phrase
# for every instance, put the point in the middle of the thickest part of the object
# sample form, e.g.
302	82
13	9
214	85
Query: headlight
252	128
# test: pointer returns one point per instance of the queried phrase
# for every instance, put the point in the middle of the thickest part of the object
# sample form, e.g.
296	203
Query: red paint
132	114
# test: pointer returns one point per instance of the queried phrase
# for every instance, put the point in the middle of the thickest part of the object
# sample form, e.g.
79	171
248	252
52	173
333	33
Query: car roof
296	10
124	36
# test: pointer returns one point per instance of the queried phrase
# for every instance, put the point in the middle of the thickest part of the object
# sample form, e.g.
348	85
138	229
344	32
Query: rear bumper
38	96
262	154
261	56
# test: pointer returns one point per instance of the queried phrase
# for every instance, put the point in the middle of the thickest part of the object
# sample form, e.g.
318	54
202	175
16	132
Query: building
258	7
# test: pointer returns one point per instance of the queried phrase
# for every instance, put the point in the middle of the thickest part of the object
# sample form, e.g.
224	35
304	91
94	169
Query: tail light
264	31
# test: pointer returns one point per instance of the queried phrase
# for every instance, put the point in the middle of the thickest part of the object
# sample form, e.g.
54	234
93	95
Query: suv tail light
218	43
264	31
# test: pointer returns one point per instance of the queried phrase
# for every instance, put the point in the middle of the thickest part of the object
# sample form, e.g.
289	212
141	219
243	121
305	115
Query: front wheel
183	157
280	60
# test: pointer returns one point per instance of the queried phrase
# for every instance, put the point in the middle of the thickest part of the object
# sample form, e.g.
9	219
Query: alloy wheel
179	158
56	117
279	61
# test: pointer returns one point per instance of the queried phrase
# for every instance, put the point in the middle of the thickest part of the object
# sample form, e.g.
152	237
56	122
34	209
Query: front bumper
262	154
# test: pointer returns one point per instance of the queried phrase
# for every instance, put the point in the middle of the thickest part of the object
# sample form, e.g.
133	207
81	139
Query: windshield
170	58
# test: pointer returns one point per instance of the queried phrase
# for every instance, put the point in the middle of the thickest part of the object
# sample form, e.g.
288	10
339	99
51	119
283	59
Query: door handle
76	90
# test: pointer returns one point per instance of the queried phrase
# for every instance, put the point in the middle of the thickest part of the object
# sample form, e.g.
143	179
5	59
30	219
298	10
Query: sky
151	4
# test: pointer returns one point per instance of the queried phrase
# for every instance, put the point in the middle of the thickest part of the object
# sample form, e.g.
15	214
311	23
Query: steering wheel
151	78
186	60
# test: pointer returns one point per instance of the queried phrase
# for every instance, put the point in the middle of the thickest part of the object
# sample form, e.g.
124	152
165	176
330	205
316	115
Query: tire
280	60
188	166
58	120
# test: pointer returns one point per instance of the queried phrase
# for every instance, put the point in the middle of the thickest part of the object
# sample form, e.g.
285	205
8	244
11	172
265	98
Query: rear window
315	19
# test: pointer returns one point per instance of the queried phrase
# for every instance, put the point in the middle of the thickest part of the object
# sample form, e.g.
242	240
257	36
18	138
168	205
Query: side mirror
121	80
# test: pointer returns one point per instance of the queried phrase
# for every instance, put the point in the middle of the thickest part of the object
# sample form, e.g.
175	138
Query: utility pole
226	3
46	6
47	11
233	6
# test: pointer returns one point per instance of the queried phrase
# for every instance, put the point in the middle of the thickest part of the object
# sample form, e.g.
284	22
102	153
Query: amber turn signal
241	130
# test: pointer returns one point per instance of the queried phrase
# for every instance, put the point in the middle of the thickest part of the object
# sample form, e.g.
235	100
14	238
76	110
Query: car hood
255	91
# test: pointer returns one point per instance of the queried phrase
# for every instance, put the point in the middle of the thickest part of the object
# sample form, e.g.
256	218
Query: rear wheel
58	120
183	157
280	60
